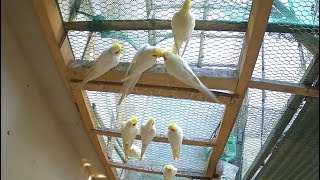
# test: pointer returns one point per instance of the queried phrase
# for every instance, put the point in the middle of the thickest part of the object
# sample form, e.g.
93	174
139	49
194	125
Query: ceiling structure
260	57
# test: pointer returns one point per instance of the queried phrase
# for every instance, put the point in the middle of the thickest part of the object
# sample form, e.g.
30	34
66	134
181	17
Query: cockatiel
180	69
144	59
175	137
129	132
107	60
148	132
169	171
135	152
182	24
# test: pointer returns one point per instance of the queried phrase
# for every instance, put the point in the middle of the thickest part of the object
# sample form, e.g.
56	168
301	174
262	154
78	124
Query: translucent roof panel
205	49
198	119
260	117
222	10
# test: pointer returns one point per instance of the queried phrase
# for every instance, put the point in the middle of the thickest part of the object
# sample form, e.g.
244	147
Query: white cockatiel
182	24
169	171
148	132
175	137
144	59
129	132
107	60
180	69
135	152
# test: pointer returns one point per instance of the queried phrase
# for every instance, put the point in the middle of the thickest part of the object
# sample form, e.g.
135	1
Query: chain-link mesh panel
222	10
197	118
205	49
286	56
264	109
282	58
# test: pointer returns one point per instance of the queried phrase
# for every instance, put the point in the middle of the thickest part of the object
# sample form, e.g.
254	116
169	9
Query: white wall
34	144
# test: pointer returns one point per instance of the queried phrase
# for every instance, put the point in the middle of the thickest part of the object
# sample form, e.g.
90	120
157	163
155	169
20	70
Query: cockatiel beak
157	52
172	127
118	47
134	121
186	5
165	55
152	120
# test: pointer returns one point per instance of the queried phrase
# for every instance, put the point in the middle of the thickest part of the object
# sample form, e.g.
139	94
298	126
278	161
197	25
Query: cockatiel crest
169	171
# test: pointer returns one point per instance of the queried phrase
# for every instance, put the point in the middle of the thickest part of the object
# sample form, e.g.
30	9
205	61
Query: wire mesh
197	118
222	10
263	110
192	158
129	175
205	49
285	56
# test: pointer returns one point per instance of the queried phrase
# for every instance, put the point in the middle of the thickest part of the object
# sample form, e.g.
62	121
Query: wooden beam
186	173
160	138
157	75
151	90
282	86
166	24
87	117
258	20
168	86
52	27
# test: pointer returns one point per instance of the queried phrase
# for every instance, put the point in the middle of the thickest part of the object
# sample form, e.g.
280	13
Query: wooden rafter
181	173
52	27
258	20
160	138
166	24
168	86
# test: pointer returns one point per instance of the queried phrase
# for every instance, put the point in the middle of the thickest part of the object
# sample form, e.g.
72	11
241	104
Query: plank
213	78
159	138
258	20
281	86
181	173
150	24
161	91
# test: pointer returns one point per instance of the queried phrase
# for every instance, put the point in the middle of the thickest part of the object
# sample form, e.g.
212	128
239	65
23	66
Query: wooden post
257	25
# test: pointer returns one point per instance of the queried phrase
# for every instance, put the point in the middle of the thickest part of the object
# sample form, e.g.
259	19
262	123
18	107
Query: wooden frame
168	86
259	15
161	138
166	24
52	27
72	72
